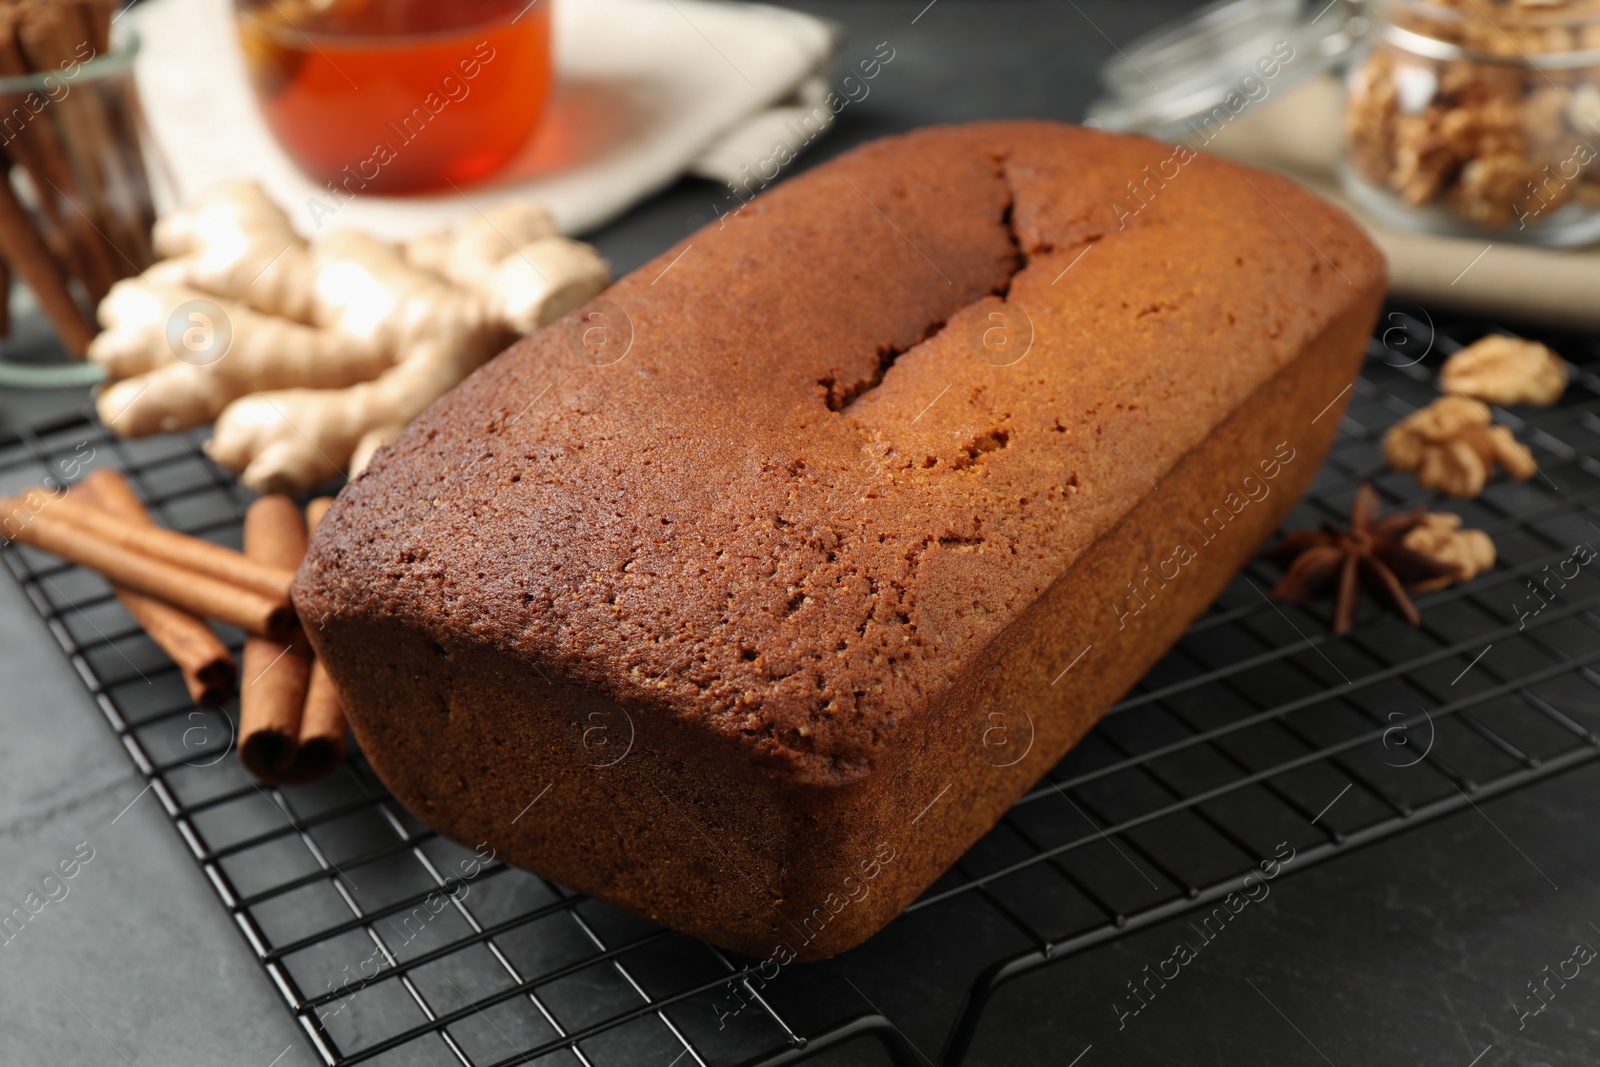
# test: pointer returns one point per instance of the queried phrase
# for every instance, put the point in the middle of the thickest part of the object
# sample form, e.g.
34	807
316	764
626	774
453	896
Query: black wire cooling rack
1258	733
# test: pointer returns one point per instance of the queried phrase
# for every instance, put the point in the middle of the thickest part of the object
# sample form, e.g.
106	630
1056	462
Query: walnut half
1440	535
1505	370
1453	447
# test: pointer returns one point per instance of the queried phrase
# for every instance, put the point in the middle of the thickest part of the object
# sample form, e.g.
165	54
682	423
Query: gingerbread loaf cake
706	600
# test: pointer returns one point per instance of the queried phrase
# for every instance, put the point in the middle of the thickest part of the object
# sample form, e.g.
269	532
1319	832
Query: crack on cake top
840	395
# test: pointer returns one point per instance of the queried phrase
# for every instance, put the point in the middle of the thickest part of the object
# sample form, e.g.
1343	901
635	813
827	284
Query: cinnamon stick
37	148
51	41
41	520
90	24
191	553
94	18
316	510
30	258
207	666
322	724
277	673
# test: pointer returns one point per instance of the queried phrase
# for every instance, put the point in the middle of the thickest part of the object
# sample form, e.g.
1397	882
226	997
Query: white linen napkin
646	91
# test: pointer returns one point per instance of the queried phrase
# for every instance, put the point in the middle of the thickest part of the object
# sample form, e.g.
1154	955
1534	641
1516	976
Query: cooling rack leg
899	1048
959	1043
875	1027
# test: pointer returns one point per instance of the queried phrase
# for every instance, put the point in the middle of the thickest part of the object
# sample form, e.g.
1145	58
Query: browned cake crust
742	608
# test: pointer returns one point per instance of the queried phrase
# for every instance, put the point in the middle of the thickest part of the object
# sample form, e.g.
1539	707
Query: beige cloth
646	91
1299	135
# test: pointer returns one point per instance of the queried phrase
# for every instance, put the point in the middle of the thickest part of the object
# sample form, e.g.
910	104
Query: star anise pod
1370	555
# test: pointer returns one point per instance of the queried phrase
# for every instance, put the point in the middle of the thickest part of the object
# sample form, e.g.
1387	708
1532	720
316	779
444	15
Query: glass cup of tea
398	96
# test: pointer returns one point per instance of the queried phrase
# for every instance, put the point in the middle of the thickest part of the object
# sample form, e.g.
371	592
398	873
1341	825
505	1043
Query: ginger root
310	357
512	256
1453	447
159	392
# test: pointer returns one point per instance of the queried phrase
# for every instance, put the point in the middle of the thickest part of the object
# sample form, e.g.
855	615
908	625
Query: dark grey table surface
1409	952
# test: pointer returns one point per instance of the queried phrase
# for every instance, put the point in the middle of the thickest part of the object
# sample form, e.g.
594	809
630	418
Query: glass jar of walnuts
1479	117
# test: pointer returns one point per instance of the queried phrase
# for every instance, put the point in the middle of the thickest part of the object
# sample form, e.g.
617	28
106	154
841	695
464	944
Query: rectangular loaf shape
779	571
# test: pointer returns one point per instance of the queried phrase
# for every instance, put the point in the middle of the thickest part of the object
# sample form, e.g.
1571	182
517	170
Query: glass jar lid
1225	55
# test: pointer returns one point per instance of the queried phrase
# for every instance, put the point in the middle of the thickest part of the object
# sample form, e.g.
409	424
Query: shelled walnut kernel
1440	535
1505	370
1453	447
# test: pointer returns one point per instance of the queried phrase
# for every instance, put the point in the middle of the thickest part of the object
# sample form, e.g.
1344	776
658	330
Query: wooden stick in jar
40	519
190	553
322	725
272	692
207	665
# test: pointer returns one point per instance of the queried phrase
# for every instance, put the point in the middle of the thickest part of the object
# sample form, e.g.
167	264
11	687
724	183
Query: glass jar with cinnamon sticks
78	212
